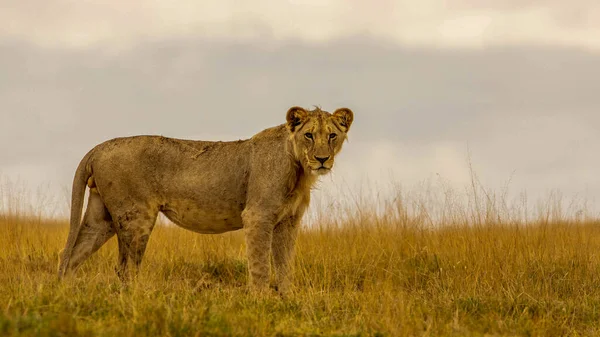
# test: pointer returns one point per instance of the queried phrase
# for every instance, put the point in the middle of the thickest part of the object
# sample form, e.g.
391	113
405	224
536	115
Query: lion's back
156	165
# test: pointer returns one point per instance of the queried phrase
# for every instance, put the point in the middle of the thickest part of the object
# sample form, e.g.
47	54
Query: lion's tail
82	174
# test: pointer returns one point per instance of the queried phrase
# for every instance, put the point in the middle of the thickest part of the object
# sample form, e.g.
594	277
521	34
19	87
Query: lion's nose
322	160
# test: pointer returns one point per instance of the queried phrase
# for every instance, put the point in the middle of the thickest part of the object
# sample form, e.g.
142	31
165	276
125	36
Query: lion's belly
206	221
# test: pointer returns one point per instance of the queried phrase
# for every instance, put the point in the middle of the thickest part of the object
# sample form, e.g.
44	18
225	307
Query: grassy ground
386	276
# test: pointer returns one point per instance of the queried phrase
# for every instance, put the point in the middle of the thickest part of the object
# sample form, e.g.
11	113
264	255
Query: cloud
455	23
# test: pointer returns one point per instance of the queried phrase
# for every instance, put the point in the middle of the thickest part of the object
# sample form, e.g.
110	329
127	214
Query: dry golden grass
396	272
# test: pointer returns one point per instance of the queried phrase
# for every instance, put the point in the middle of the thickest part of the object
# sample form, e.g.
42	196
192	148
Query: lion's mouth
321	170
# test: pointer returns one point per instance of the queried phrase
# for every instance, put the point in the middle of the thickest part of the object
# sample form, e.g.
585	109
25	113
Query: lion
261	184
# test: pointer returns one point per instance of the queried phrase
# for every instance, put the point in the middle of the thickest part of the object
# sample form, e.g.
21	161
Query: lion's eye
332	136
308	135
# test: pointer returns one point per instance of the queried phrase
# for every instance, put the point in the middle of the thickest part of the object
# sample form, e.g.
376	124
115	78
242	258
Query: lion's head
317	136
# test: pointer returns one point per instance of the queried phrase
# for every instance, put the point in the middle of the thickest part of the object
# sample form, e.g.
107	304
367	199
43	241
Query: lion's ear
344	117
295	116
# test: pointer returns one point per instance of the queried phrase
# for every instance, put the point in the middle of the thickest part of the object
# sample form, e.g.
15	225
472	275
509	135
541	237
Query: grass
481	269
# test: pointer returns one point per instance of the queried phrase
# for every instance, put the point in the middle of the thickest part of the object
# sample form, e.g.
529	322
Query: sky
509	86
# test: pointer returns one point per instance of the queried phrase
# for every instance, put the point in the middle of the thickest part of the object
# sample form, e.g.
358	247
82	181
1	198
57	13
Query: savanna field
418	266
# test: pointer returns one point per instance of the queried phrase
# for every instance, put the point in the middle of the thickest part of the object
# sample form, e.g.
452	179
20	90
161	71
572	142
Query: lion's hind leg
133	232
96	229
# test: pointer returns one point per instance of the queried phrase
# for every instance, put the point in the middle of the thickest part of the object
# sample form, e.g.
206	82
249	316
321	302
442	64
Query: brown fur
260	184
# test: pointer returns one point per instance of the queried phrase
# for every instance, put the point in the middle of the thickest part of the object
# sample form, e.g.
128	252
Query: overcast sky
514	81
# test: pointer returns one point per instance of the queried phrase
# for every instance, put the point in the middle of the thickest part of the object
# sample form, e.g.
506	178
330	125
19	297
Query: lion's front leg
283	243
258	228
